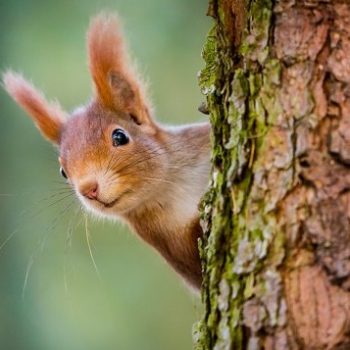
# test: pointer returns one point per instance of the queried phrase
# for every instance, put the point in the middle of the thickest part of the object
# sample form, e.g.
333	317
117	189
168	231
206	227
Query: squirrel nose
89	190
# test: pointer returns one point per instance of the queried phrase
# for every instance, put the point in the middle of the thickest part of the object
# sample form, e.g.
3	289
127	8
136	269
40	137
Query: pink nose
90	190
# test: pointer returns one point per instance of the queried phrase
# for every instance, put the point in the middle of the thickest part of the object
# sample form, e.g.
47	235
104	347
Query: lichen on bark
276	215
232	81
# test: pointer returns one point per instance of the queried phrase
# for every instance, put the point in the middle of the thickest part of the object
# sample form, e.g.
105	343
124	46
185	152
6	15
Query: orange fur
108	59
155	181
48	117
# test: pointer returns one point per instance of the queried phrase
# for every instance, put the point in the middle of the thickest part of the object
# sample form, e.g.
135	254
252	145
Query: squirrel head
111	151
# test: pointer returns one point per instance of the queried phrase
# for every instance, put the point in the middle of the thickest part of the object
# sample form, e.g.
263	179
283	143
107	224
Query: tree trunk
276	248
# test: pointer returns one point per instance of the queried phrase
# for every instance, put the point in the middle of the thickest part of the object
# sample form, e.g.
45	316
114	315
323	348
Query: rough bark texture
276	250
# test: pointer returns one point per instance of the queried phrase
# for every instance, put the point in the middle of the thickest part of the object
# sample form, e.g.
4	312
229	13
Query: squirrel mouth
111	204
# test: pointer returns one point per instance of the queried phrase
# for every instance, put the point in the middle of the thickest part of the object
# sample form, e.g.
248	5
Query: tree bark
276	248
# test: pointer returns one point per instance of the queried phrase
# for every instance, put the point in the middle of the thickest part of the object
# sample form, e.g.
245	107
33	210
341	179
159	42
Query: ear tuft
116	83
48	117
106	54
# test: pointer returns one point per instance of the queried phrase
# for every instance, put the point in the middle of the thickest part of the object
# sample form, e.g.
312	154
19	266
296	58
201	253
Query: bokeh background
51	296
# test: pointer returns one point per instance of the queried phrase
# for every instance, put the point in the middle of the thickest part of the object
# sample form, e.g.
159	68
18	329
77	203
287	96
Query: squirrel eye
63	173
119	137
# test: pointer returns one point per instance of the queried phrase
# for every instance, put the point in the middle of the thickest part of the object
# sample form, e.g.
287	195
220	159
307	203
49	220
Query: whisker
87	234
40	211
153	154
21	217
41	244
26	277
57	194
68	245
59	200
151	151
8	238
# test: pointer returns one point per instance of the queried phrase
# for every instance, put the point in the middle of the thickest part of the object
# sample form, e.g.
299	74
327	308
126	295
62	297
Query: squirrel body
119	161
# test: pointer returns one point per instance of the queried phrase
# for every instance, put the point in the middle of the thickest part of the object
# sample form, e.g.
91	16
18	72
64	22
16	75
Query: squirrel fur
155	180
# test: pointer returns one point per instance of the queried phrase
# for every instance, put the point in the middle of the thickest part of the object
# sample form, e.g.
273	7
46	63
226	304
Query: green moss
208	75
255	46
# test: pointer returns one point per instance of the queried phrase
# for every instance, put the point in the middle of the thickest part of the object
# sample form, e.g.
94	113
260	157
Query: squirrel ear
48	117
116	83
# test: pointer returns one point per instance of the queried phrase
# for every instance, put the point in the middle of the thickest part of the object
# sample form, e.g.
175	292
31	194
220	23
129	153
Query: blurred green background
51	296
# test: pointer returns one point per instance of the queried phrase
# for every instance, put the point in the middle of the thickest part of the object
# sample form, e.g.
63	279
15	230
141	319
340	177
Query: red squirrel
119	160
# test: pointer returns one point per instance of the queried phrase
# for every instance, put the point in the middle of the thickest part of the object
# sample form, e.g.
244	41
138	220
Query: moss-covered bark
276	249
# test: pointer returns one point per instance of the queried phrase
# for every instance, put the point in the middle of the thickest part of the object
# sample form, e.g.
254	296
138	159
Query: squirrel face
113	166
105	175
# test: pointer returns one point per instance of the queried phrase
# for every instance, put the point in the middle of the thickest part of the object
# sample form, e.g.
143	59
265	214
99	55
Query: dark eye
119	137
63	173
